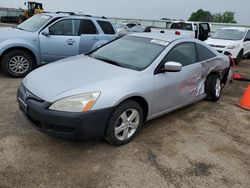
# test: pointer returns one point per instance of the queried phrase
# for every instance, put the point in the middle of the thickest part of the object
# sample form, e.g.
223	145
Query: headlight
231	47
77	103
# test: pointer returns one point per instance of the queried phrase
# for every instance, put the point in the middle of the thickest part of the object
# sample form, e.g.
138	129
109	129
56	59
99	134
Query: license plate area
22	105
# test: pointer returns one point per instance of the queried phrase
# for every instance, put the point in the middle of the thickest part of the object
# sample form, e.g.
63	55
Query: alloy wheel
19	64
127	124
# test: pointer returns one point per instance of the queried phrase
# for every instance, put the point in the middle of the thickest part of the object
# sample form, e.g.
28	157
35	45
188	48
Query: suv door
89	36
63	40
204	30
247	43
174	89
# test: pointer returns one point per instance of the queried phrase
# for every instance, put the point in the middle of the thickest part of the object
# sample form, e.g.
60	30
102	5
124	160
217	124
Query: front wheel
17	63
213	87
124	123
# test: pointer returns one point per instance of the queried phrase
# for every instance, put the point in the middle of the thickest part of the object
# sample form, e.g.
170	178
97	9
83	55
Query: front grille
217	46
220	51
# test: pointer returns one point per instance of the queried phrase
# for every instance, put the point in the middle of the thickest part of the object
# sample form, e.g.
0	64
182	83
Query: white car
125	26
233	41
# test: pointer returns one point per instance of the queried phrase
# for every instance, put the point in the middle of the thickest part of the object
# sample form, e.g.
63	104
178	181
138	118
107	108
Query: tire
213	87
239	57
12	59
120	131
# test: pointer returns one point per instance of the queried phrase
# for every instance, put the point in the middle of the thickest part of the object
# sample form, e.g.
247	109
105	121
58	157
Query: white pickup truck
199	30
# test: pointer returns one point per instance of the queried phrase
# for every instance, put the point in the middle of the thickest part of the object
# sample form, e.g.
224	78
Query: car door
89	35
204	30
174	89
247	43
63	40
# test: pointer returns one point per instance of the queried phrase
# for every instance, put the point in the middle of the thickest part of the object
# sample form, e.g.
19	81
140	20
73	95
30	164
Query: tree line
206	16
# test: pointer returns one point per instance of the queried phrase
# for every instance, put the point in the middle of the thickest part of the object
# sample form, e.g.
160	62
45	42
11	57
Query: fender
21	43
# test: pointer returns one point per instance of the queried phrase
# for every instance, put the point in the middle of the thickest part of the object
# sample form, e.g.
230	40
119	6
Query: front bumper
230	52
69	125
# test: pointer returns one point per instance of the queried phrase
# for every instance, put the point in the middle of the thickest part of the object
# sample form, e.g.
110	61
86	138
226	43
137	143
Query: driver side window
184	53
65	28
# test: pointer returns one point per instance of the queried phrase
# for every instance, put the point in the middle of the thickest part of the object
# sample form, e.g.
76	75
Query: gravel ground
203	145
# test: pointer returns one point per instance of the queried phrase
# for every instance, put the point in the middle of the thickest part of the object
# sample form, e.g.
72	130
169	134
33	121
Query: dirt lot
203	145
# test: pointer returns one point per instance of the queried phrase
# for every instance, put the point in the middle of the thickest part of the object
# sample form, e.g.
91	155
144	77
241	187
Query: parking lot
203	145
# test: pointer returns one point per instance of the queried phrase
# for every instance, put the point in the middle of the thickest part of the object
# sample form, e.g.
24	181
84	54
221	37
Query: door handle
70	41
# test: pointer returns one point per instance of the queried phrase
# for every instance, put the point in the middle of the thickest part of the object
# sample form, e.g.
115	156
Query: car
233	41
198	30
135	29
125	26
48	37
111	91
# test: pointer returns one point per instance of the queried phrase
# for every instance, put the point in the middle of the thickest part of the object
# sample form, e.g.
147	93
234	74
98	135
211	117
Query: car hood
72	76
9	32
221	42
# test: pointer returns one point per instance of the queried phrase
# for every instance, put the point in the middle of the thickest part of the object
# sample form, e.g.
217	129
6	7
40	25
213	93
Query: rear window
182	25
204	53
106	27
87	27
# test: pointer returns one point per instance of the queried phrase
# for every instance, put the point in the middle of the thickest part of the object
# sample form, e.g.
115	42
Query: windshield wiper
108	61
20	28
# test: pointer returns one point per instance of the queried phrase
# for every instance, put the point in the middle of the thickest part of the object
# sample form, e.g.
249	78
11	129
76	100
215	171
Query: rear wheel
17	63
239	57
124	123
213	87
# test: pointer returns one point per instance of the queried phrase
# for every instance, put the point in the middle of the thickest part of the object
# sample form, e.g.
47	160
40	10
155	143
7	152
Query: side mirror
46	32
172	66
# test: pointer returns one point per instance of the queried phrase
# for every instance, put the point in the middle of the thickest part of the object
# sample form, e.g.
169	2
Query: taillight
177	33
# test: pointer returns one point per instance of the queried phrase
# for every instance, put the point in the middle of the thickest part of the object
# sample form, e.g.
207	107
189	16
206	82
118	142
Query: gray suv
48	37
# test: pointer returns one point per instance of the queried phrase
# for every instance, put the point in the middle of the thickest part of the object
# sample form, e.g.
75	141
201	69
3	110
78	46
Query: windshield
131	52
34	23
181	25
228	34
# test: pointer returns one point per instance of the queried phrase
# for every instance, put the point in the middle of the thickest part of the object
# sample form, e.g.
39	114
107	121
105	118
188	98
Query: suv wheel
124	123
17	63
213	87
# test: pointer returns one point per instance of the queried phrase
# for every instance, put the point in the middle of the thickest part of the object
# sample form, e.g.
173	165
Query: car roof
158	36
236	28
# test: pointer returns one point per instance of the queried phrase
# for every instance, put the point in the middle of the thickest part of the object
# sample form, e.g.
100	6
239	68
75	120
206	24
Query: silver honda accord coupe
113	90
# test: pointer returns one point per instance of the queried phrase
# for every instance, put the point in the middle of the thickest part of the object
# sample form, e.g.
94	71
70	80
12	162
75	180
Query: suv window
184	53
65	27
106	27
248	35
87	27
204	53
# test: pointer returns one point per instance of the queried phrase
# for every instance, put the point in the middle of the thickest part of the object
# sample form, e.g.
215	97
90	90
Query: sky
143	9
